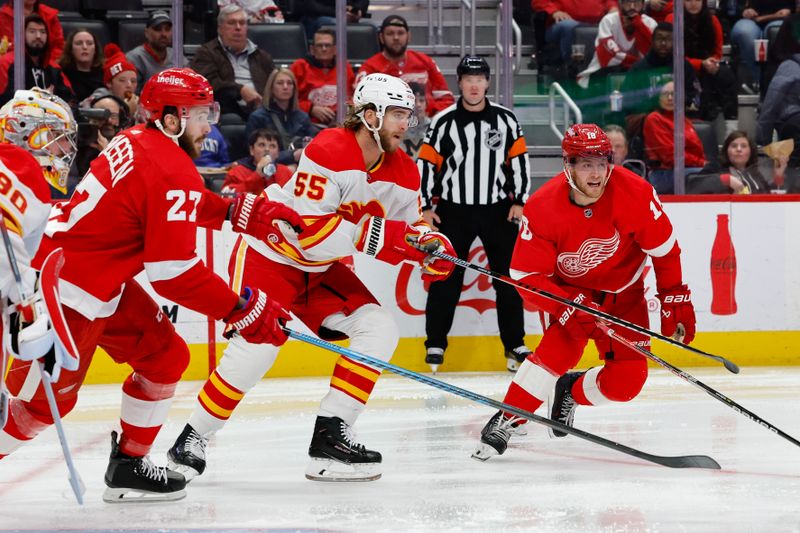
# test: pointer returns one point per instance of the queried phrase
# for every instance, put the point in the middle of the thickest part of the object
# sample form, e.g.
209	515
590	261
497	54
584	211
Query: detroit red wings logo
591	253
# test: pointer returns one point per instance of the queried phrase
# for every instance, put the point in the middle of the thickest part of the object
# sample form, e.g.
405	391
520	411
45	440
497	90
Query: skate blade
188	472
330	470
512	365
483	452
123	495
434	368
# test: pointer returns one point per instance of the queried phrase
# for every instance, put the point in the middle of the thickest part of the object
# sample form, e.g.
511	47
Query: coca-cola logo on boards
726	264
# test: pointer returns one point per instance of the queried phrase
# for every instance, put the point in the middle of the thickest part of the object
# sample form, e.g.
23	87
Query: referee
474	160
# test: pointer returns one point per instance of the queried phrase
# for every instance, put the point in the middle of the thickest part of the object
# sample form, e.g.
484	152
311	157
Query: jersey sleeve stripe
518	148
238	269
662	250
320	232
164	270
12	224
428	153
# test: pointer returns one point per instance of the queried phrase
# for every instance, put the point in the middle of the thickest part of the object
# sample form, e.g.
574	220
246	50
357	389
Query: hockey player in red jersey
357	192
586	236
137	209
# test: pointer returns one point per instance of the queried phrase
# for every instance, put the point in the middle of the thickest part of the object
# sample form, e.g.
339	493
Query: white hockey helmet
383	91
42	123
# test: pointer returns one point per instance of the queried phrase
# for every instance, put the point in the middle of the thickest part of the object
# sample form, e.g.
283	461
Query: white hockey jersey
334	193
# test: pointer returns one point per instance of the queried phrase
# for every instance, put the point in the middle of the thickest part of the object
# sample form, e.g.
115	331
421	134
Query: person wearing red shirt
137	210
565	15
410	66
49	14
256	172
586	236
659	145
316	78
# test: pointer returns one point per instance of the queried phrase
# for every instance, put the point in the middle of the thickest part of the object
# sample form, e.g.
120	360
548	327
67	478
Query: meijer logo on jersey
591	253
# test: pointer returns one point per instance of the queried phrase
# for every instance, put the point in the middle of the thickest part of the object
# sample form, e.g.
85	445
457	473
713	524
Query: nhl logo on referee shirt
493	139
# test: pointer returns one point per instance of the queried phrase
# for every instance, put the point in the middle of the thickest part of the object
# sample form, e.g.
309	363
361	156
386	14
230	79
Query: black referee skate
495	436
560	404
188	454
435	358
515	357
137	479
336	456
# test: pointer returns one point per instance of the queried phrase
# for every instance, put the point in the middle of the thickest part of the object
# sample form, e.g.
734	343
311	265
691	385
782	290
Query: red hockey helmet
586	140
182	88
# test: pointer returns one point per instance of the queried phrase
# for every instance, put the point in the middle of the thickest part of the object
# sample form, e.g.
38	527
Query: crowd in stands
284	106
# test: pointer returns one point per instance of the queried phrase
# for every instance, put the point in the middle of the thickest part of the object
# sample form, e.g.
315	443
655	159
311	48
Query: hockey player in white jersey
356	192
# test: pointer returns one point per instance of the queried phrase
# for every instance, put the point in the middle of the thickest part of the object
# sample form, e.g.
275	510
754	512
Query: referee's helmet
473	65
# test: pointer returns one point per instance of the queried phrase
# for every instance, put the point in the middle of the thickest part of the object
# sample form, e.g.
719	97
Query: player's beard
386	142
189	146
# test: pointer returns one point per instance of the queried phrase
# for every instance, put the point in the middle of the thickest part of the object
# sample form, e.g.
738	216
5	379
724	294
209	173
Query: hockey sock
145	405
531	384
218	399
351	385
22	425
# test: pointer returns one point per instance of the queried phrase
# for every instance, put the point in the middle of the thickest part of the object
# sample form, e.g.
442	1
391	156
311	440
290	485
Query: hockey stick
681	461
729	365
75	480
699	384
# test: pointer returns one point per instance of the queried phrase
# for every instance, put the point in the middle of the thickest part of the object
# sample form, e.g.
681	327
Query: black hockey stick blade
681	461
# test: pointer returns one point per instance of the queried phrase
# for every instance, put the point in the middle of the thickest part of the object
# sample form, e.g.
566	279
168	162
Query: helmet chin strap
375	134
173	136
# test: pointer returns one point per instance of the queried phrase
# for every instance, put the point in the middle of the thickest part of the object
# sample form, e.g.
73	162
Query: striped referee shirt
474	158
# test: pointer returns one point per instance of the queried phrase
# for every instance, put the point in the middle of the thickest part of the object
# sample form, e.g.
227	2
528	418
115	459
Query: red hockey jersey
317	86
603	246
136	209
417	68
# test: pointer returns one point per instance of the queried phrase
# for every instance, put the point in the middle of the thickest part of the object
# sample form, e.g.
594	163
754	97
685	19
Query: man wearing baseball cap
155	54
412	67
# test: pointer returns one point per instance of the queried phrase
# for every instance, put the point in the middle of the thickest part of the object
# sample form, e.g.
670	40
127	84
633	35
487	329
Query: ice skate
560	403
188	454
137	479
515	357
434	357
336	456
495	436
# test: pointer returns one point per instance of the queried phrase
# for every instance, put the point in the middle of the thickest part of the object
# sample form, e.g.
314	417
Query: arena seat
708	136
362	42
96	27
130	34
284	42
234	136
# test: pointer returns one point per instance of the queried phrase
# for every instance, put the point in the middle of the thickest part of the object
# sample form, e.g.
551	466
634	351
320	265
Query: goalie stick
729	365
680	461
75	481
699	384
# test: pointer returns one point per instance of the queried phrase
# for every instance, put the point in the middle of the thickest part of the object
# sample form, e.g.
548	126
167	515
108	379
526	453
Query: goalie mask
42	124
585	140
383	91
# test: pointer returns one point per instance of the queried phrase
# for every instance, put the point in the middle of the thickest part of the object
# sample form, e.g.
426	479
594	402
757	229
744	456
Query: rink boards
763	330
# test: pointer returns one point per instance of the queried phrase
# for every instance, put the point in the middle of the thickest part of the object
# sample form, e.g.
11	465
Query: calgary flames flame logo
355	211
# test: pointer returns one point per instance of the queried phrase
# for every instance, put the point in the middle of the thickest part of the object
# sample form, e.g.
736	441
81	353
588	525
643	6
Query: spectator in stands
619	145
397	60
236	68
259	170
780	113
155	54
282	113
316	78
318	13
739	170
659	127
563	16
55	33
659	10
622	39
757	18
82	63
702	38
95	133
41	71
787	43
214	152
119	76
258	11
415	135
642	85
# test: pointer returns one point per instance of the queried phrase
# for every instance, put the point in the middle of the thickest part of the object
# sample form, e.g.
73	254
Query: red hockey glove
254	215
677	308
579	323
435	268
389	241
259	321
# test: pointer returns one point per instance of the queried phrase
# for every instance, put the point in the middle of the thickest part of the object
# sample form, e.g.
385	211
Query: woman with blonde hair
281	112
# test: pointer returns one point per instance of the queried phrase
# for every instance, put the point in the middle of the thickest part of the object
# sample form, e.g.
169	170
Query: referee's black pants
461	224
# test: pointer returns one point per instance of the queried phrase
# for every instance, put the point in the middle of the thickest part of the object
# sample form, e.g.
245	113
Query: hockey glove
435	268
677	308
579	323
259	321
254	215
389	241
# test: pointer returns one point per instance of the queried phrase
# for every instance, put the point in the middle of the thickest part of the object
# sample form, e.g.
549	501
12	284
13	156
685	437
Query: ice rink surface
255	479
